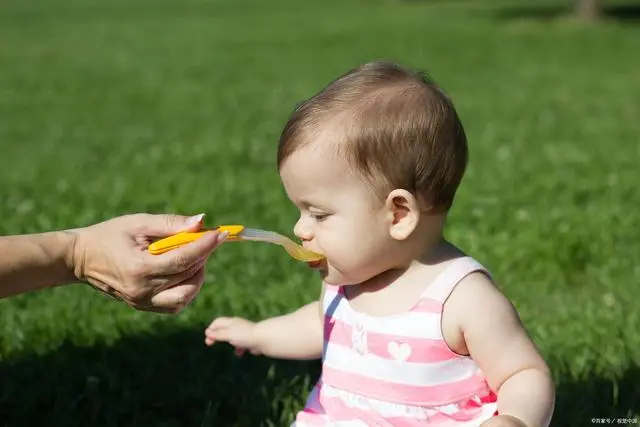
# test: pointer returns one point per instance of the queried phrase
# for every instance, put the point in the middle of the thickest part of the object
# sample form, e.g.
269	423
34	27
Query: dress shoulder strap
448	279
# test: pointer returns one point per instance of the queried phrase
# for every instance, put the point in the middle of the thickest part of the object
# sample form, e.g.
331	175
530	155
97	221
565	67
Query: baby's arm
494	336
297	335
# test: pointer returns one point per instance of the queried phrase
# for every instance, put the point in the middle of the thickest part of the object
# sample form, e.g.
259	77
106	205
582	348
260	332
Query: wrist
71	254
258	334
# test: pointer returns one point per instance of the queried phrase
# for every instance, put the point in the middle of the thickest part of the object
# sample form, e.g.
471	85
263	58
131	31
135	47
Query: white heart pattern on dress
399	351
359	339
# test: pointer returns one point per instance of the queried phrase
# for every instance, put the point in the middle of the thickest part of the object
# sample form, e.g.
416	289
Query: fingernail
222	236
195	220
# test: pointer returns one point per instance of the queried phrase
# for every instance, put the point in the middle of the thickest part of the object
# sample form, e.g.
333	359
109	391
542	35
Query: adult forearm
35	261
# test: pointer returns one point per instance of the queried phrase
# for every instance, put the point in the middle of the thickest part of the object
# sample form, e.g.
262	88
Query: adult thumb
169	224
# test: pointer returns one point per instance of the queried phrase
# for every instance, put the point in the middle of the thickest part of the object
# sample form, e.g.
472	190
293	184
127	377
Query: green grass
125	106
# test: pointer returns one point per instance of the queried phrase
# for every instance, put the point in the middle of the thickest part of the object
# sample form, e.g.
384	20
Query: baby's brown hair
396	127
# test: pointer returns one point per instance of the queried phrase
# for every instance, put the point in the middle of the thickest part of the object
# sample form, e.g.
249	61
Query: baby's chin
331	275
335	278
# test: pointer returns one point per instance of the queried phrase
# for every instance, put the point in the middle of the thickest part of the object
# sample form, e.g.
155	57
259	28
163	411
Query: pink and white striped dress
397	370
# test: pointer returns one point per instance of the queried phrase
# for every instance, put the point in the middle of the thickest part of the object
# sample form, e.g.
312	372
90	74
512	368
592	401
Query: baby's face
340	217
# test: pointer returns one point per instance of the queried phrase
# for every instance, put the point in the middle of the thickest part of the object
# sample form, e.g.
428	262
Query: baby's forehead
319	161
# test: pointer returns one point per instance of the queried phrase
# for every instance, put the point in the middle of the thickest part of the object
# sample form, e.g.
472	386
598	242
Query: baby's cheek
347	253
333	246
349	257
356	266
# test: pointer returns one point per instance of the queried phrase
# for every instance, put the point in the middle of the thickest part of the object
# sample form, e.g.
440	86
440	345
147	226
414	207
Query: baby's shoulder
476	295
457	277
473	286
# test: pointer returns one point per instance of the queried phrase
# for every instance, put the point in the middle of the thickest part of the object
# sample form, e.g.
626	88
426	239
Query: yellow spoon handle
172	242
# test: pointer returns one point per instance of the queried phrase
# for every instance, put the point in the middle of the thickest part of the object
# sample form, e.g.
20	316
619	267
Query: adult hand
112	256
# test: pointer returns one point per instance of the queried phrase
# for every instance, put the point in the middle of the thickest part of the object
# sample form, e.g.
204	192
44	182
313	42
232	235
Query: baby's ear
403	211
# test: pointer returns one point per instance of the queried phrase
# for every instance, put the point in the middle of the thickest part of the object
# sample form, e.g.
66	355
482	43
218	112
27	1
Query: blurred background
124	106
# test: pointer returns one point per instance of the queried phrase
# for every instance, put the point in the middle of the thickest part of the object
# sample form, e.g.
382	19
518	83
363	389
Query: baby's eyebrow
299	203
302	201
306	204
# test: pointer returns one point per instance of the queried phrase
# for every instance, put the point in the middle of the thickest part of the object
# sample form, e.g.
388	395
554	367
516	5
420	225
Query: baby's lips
317	264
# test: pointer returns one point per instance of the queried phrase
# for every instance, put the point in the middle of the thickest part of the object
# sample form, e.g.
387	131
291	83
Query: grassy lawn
138	105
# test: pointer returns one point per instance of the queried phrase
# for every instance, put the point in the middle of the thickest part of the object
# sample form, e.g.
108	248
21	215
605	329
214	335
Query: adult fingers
160	283
163	225
176	298
180	259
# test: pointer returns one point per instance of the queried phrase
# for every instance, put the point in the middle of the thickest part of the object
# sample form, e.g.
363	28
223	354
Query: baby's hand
238	332
503	421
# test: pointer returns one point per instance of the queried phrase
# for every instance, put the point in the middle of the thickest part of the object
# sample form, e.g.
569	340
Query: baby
411	331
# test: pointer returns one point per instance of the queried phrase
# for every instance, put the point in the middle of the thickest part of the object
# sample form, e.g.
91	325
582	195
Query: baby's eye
318	216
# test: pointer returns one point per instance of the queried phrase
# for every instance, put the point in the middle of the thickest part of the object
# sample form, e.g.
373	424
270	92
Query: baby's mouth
317	264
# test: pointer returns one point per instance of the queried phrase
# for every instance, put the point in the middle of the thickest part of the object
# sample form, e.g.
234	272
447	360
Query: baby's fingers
218	330
209	338
220	322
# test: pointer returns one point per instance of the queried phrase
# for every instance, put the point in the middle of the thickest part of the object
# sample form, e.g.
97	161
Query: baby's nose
302	231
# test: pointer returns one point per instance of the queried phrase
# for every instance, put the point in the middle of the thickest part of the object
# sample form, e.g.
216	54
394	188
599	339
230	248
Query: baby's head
373	162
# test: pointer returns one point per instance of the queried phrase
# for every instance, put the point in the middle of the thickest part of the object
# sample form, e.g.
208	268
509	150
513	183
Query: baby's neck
398	289
433	253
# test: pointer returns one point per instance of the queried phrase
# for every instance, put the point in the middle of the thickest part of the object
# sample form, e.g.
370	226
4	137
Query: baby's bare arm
496	339
297	335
